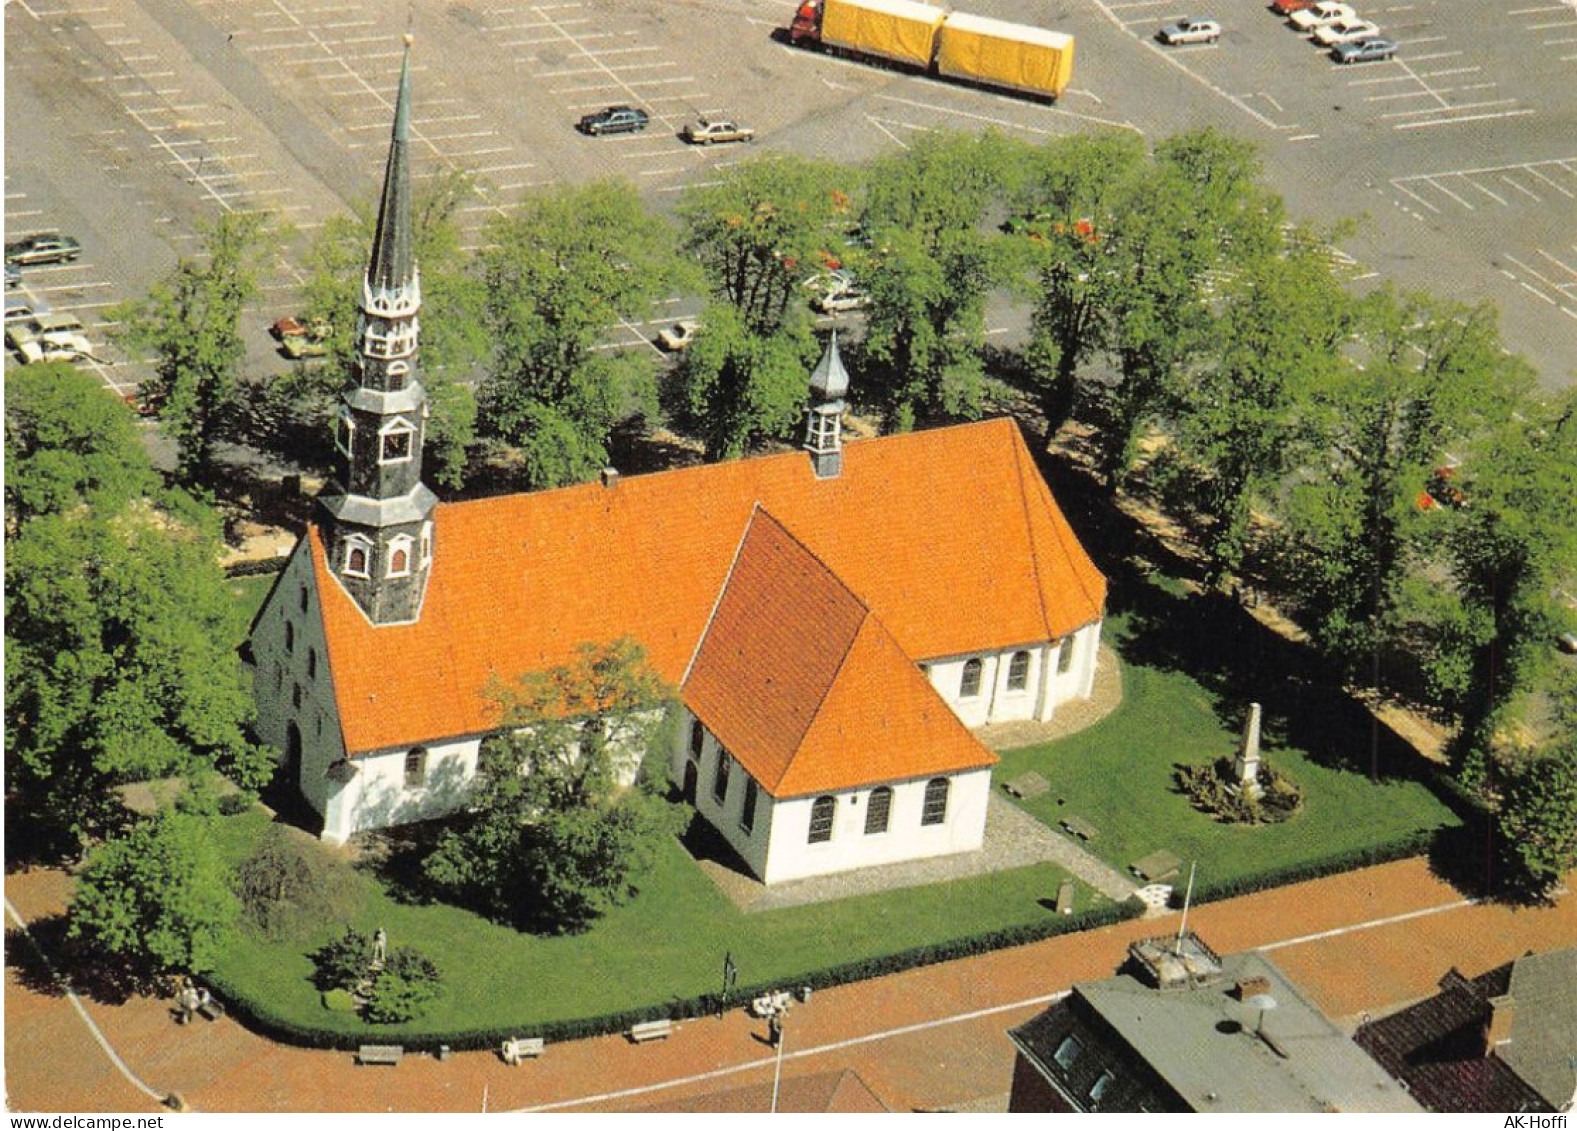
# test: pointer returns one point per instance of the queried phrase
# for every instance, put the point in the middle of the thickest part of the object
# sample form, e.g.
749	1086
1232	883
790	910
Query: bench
517	1049
380	1054
1027	786
1157	866
212	1009
1080	828
651	1030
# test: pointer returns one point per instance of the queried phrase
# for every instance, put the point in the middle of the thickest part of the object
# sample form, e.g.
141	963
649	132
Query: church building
836	621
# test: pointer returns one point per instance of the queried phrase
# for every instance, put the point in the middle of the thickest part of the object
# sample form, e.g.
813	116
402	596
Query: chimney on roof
610	477
1248	987
829	381
1497	1026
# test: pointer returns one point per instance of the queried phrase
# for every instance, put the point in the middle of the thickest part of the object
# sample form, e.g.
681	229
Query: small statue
380	947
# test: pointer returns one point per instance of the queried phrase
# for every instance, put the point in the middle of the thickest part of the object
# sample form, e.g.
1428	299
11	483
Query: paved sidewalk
928	1038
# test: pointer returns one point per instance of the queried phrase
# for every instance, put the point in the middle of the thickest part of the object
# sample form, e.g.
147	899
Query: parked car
677	338
43	247
1345	31
709	132
1567	642
292	327
23	308
1320	14
51	337
13	275
839	302
65	331
1287	7
1189	30
1364	51
614	120
826	282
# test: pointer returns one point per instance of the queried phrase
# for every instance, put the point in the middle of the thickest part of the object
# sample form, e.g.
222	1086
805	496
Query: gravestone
1247	763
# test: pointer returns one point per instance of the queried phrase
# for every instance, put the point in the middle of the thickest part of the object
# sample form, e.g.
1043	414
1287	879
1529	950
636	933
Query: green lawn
1118	775
248	592
668	942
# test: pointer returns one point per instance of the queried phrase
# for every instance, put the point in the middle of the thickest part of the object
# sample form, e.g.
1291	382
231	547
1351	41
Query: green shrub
1213	790
289	886
404	989
343	963
339	1001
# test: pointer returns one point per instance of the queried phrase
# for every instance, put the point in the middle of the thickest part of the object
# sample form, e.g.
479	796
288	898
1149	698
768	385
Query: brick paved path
937	1059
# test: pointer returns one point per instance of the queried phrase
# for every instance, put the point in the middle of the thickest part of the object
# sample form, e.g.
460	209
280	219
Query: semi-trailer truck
954	45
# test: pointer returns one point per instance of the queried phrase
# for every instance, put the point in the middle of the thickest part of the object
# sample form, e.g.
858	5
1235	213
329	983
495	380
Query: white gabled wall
777	847
1045	687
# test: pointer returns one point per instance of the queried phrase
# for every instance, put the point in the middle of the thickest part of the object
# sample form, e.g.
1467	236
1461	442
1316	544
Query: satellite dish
1263	1003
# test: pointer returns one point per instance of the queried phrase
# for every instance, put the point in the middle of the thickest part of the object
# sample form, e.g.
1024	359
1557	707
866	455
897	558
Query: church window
427	543
1067	1053
395	441
295	696
397	374
312	663
697	738
290	637
344	431
935	810
1018	671
358	552
416	767
877	809
304	598
400	556
821	814
1065	658
720	776
279	678
824	431
747	816
969	686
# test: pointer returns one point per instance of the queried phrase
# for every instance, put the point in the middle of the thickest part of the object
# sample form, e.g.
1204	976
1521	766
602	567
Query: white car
1318	15
838	302
54	337
1345	31
678	337
825	282
1190	30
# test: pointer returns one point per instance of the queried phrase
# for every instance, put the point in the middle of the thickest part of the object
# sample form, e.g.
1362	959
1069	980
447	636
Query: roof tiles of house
950	536
806	689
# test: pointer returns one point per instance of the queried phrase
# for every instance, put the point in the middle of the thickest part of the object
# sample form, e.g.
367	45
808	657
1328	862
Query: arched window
290	637
821	813
344	431
970	685
358	556
427	543
400	556
878	808
697	738
1018	671
1065	658
747	816
415	767
935	810
312	663
398	370
304	598
720	776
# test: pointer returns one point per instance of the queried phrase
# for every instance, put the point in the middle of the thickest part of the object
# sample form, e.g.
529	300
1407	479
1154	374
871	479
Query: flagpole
777	1072
1187	895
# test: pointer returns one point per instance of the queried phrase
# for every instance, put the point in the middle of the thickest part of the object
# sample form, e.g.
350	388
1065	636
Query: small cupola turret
829	381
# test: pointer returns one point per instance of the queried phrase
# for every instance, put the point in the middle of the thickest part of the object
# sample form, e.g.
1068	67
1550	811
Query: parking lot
128	121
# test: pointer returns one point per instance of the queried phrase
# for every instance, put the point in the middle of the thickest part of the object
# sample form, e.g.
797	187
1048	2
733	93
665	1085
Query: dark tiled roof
1436	1048
824	1092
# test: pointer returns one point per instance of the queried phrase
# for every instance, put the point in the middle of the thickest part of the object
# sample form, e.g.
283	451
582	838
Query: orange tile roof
950	536
803	685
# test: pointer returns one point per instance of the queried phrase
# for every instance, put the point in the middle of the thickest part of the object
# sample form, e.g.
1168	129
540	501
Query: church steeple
377	521
829	381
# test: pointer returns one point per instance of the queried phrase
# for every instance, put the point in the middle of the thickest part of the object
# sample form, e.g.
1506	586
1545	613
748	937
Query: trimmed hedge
258	1015
255	568
1414	843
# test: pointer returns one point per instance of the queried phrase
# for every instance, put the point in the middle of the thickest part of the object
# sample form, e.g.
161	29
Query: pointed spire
393	258
829	381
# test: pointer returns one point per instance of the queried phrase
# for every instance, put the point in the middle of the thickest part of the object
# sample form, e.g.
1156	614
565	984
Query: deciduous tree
157	899
556	839
560	273
191	323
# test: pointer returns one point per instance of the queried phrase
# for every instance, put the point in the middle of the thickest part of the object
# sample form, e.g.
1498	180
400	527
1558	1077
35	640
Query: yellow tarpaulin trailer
901	30
1002	54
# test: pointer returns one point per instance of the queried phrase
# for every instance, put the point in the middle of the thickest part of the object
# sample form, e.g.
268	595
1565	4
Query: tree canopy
191	323
556	838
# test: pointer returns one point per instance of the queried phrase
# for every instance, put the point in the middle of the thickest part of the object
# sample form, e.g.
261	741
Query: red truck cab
807	23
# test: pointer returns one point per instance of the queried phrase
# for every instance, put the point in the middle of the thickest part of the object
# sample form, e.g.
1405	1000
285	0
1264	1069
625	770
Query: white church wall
381	793
792	856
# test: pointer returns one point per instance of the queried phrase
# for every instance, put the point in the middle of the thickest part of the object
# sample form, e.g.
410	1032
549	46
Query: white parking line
1442	188
1572	271
1469	118
1486	192
1520	188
